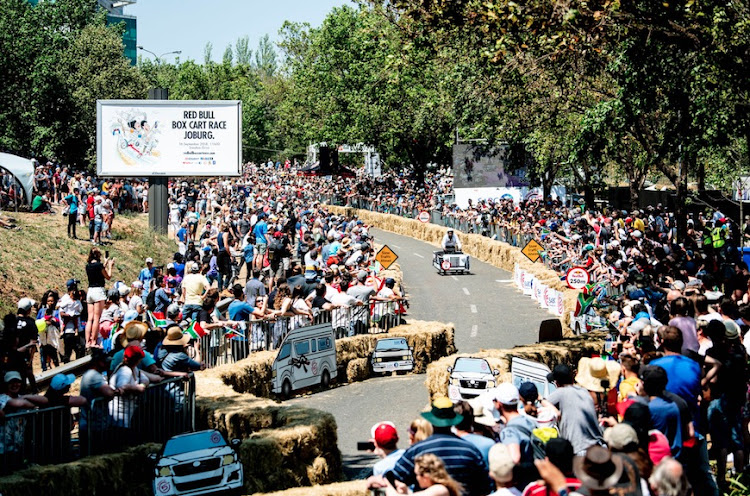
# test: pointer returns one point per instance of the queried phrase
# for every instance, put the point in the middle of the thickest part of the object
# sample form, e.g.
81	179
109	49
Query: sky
187	25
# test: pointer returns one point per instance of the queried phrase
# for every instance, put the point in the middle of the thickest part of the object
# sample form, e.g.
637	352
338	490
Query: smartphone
106	254
365	446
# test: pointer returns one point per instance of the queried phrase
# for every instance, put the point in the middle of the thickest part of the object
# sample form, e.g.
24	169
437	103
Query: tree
265	57
243	53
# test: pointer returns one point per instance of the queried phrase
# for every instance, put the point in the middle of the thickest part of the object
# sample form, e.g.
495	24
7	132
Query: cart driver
451	243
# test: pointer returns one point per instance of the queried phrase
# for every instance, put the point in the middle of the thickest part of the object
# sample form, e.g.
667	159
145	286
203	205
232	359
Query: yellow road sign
532	249
386	257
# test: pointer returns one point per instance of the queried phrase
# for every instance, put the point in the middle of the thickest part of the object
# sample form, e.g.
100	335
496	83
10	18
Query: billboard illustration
169	138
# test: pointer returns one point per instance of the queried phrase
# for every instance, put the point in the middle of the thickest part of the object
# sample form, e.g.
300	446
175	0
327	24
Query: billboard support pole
158	195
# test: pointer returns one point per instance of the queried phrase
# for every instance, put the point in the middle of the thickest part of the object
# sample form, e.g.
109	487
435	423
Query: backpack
151	300
536	448
274	249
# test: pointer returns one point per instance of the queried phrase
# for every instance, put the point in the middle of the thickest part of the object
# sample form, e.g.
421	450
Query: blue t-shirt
387	463
519	431
684	378
665	417
248	252
182	234
483	444
180	269
259	231
145	277
72	201
240	310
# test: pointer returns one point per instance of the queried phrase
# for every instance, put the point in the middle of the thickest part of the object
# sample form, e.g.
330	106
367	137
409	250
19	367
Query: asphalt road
484	306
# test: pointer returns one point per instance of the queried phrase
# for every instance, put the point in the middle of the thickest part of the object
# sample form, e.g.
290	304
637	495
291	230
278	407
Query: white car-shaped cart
392	354
450	263
469	378
197	463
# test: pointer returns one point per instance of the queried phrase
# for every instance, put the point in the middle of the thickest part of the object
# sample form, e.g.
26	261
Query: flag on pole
157	319
195	330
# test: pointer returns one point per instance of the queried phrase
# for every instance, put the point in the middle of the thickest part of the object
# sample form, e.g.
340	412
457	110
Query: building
116	15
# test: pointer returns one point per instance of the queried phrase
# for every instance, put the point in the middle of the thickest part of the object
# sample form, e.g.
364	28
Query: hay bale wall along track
496	253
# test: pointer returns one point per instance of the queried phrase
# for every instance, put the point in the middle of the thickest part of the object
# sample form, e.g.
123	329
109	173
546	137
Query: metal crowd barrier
48	435
163	410
225	346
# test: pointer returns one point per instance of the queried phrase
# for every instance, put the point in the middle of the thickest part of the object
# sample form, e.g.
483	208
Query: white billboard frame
187	105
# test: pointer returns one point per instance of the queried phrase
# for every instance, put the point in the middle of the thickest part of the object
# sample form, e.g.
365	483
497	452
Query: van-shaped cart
306	357
451	263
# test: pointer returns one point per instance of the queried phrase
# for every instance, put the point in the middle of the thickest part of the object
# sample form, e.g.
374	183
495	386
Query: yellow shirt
638	224
194	285
627	388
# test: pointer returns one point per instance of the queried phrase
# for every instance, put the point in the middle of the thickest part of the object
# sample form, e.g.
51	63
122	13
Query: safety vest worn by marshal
718	237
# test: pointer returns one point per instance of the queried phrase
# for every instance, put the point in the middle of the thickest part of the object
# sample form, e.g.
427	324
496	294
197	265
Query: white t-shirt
121	408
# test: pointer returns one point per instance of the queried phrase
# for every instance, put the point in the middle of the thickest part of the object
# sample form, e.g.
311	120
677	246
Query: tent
22	169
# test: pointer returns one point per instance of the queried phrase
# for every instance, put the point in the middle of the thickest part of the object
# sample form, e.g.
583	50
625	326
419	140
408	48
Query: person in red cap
128	379
385	437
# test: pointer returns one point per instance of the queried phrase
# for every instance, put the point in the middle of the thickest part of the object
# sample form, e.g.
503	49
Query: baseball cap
72	283
384	433
506	394
528	391
678	285
11	376
133	352
25	304
61	381
501	463
561	373
129	316
137	284
621	437
195	267
149	260
362	275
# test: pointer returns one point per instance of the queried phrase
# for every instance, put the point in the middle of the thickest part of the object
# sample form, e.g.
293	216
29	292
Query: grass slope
40	256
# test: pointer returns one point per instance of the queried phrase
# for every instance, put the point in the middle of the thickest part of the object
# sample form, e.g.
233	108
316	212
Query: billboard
137	138
476	166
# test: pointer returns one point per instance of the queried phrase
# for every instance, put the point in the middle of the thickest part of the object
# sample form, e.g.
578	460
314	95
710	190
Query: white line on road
418	255
473	309
396	246
474	330
503	280
455	278
466	292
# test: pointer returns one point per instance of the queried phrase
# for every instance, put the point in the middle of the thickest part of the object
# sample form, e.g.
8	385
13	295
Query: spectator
574	409
385	437
465	429
560	453
70	309
127	378
70	203
668	479
501	470
24	342
683	373
430	474
419	430
97	392
463	461
97	273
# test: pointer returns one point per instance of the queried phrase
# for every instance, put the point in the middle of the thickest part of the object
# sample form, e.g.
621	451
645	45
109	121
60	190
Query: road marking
473	309
455	278
418	255
466	292
503	280
396	246
474	330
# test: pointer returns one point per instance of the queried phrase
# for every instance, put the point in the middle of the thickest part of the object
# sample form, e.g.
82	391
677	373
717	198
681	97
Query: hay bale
128	473
351	488
567	351
496	253
358	370
250	375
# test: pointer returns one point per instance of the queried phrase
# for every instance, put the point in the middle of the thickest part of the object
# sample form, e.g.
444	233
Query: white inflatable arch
22	169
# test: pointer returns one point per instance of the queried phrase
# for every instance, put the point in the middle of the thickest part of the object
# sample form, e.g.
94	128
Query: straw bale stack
351	488
496	253
567	351
128	474
430	341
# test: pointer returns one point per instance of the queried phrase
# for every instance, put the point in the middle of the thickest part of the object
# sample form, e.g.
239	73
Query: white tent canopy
22	169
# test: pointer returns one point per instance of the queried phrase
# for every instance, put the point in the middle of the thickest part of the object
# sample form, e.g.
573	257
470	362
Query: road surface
487	311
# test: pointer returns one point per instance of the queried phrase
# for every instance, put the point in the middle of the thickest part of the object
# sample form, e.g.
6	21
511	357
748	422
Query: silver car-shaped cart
197	463
451	263
470	377
392	354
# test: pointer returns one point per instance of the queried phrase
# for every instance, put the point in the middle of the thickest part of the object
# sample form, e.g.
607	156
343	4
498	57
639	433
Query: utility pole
158	195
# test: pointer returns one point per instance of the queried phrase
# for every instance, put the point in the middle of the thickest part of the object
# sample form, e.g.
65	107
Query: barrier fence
61	434
223	346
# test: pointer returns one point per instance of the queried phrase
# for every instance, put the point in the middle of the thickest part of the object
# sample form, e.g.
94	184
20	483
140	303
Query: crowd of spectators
639	419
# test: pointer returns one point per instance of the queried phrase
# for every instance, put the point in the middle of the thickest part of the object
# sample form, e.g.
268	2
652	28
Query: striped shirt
463	461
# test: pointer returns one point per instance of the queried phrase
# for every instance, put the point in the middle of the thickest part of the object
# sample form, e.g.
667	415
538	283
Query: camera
365	446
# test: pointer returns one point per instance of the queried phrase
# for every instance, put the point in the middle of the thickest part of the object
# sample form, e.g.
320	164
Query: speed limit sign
577	278
424	217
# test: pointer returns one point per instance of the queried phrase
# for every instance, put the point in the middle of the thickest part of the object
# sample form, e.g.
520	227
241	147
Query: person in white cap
136	301
145	276
518	427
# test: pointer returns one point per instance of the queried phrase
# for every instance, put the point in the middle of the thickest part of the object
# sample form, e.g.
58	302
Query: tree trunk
588	196
681	198
701	176
635	192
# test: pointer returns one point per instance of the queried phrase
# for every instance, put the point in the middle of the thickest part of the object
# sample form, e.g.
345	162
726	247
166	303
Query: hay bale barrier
567	351
352	488
496	253
429	340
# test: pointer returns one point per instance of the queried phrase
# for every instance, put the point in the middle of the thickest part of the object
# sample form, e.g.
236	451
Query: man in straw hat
462	460
133	335
172	352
